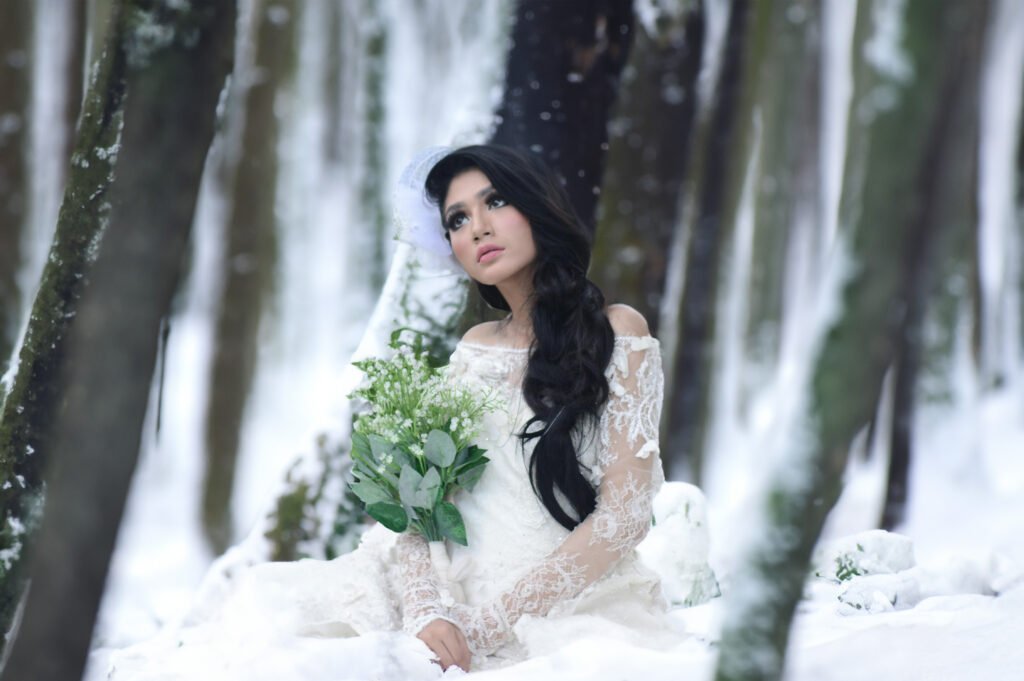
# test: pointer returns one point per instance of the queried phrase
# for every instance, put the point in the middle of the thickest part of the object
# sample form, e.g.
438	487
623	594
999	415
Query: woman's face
490	238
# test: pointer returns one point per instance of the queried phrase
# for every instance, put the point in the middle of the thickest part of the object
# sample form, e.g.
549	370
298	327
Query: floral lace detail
423	599
559	576
626	469
623	515
633	410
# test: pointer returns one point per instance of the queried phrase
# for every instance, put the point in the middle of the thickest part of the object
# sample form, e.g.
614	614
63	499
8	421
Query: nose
481	224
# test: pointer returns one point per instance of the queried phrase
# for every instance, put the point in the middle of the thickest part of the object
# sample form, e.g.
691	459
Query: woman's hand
448	642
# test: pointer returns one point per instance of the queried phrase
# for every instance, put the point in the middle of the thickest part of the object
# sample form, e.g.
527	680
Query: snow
941	598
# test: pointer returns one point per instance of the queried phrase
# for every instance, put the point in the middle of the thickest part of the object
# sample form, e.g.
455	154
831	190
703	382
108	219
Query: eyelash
450	223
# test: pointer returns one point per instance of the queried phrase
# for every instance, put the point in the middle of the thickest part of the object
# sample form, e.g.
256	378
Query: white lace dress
528	586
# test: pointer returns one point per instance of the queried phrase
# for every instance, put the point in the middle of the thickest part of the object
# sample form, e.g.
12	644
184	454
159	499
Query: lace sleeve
423	599
631	475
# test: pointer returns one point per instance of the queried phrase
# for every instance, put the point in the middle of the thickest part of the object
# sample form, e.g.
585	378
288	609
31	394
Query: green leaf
449	521
379	446
362	471
468	479
369	492
360	446
475	457
408	486
440	449
401	457
430	488
391	516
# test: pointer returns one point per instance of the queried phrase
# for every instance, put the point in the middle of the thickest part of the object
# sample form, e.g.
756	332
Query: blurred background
740	162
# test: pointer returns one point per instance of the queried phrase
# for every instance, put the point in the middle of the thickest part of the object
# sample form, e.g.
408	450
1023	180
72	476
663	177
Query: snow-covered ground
942	599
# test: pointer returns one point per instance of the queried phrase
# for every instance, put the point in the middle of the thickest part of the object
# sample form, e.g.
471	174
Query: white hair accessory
417	220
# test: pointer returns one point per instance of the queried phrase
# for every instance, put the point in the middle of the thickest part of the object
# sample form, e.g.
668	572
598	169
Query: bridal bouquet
414	446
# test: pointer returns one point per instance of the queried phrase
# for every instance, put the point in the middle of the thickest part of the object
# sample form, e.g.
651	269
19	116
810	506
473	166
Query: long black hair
564	382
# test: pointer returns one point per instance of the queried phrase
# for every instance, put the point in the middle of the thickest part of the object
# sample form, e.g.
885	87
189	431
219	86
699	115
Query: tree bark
929	121
173	87
74	67
649	144
15	34
373	181
713	183
249	261
560	85
787	78
27	418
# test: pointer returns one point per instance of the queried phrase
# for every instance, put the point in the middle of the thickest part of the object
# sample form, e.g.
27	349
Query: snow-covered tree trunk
712	182
648	147
786	202
30	408
167	63
905	184
249	258
15	21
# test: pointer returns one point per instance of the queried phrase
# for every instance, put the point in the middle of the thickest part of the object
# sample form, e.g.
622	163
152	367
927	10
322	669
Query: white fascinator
417	220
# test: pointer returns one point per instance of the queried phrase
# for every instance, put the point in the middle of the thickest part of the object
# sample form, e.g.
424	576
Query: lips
482	252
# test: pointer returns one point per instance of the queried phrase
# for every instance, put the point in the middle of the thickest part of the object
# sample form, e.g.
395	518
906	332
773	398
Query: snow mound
677	546
875	552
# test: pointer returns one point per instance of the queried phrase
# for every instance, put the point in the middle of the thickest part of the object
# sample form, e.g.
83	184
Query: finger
447	658
462	654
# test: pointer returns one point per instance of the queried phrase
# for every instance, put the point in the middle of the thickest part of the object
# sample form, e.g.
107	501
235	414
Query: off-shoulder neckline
506	348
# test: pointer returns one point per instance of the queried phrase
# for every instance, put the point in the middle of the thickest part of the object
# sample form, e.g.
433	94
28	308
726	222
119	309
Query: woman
554	520
567	499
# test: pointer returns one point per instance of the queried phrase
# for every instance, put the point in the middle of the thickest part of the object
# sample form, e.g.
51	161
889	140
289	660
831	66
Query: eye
495	201
455	220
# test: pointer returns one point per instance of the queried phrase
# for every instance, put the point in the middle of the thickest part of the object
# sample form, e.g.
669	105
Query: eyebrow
480	194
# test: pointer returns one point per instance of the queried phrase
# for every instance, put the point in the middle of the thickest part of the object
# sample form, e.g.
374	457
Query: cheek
463	249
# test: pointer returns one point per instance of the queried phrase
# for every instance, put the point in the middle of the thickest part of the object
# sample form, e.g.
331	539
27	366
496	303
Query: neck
517	294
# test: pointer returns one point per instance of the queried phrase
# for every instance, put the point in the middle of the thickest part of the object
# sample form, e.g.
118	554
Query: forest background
816	205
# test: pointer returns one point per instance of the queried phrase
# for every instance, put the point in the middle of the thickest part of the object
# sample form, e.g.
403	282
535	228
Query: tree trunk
28	413
560	85
713	183
787	205
249	262
15	34
648	148
911	145
74	67
373	179
1020	231
173	89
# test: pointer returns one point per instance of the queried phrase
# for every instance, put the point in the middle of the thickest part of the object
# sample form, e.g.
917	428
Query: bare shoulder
626	321
481	333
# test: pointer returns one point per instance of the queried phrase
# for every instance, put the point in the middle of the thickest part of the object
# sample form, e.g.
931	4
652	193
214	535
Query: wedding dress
524	585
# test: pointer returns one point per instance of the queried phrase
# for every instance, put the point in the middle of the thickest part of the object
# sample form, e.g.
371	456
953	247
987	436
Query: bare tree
29	411
172	89
249	259
649	145
712	182
911	148
15	22
561	82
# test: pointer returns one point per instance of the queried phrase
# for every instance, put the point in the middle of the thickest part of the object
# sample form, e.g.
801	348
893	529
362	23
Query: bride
554	522
575	461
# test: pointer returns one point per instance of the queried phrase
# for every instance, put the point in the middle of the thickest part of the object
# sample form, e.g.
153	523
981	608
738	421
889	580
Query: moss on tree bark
31	407
163	70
